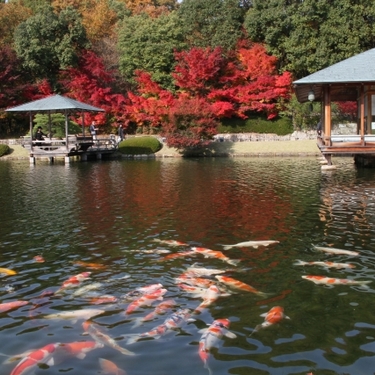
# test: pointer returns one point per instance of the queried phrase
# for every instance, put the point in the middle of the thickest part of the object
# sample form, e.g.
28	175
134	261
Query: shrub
4	149
139	145
280	126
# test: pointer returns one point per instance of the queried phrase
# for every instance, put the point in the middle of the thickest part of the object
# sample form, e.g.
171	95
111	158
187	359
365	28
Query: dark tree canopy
212	23
310	35
48	42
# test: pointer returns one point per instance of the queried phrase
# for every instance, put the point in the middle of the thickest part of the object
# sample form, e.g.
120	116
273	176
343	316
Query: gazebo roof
54	103
343	77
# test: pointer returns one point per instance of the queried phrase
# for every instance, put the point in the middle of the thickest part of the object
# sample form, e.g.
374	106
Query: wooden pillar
362	112
327	115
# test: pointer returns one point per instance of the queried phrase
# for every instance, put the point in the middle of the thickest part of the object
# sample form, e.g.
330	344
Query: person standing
93	130
120	133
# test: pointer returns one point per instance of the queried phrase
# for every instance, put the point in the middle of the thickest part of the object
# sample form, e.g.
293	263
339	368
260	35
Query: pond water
117	215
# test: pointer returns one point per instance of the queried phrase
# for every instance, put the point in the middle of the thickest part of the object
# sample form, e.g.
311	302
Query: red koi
176	255
209	297
148	289
79	349
145	300
103	299
74	281
43	355
96	266
195	281
12	305
215	254
275	315
236	284
39	259
110	368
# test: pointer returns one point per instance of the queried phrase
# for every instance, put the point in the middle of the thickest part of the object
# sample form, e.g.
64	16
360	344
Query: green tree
48	42
310	35
148	44
212	23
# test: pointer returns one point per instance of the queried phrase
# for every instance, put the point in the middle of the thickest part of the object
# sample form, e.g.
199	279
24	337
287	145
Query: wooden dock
82	146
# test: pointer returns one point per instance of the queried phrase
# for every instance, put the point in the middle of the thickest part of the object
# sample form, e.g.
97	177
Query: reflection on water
104	218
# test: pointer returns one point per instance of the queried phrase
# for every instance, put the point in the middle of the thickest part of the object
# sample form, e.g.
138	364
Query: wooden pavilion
72	145
352	79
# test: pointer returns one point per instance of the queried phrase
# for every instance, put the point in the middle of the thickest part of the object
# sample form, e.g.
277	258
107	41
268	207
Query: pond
117	220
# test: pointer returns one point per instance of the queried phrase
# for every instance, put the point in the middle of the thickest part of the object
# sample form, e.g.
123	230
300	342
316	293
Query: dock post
32	160
67	159
51	159
99	156
84	157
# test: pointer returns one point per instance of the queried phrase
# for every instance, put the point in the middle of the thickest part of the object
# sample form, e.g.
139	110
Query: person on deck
120	133
39	135
93	130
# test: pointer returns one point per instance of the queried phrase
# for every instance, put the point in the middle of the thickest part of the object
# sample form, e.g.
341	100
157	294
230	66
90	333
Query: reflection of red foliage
282	295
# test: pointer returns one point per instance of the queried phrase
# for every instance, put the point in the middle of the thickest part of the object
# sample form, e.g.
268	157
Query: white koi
324	264
254	244
141	291
75	315
333	281
332	250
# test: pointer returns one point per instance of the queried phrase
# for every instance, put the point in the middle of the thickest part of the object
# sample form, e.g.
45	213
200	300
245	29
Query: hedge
4	149
279	126
140	146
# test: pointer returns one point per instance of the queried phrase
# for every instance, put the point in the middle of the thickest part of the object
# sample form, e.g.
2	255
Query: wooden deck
347	144
74	145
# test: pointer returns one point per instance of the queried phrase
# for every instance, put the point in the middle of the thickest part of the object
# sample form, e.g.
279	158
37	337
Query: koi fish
96	266
173	322
211	336
148	289
236	284
7	271
39	259
103	299
85	289
145	300
160	309
333	281
6	306
275	315
75	315
198	292
99	336
195	281
42	355
332	250
324	264
74	281
110	368
254	244
209	297
215	254
202	271
79	349
176	255
171	242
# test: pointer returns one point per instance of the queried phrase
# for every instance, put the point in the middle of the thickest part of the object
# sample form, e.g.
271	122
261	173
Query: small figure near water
120	133
39	135
93	130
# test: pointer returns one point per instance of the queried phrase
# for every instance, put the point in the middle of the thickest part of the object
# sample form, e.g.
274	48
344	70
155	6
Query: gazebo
352	79
72	144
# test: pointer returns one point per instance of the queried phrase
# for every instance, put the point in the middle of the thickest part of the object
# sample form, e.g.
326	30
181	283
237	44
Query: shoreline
294	148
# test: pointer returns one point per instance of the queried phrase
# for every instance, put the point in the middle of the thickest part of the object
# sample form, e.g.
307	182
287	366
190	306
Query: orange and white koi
148	289
254	244
145	300
110	368
177	255
332	250
6	306
96	266
79	349
171	242
211	336
275	315
173	322
39	259
103	299
198	292
324	264
74	281
195	281
7	271
160	309
99	336
215	254
209	297
333	281
29	363
236	284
